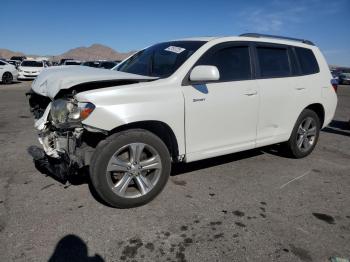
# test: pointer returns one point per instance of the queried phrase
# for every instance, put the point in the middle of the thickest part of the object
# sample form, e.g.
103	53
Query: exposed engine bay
62	135
67	144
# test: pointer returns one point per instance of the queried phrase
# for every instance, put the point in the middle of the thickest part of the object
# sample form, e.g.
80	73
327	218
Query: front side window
32	64
273	62
307	61
2	63
233	62
160	60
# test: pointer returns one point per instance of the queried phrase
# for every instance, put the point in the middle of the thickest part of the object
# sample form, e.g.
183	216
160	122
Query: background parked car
30	69
8	72
107	64
64	60
16	63
18	58
91	63
344	79
72	62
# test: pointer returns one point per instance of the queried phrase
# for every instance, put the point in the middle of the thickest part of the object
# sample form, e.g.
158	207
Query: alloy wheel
306	134
134	170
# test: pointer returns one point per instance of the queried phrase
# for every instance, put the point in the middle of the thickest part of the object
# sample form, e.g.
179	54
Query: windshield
160	60
32	64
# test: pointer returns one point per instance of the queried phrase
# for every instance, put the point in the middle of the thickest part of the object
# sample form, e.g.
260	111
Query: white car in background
30	69
8	72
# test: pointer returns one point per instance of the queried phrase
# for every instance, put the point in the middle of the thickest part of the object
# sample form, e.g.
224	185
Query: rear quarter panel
329	97
317	89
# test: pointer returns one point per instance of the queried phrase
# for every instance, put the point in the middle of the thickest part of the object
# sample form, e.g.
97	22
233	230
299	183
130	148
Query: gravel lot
238	207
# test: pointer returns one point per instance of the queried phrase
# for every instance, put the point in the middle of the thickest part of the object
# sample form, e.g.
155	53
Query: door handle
251	93
300	88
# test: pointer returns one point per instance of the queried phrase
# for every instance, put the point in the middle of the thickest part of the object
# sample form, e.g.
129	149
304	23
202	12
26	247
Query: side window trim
296	62
256	45
186	81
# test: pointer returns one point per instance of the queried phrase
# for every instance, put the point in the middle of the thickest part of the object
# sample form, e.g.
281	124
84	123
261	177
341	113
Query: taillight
334	83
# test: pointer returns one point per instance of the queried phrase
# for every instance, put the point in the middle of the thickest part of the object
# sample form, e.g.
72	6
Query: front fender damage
65	152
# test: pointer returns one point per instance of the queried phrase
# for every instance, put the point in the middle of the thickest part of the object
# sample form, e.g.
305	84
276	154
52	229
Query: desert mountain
5	53
93	52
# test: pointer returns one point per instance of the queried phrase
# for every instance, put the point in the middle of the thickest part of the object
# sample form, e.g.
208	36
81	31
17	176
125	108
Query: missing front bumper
58	169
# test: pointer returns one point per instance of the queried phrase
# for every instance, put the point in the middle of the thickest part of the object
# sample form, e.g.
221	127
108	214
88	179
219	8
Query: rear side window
273	62
233	62
307	61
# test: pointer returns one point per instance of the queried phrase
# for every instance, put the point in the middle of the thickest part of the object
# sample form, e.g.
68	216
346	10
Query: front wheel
7	78
130	168
304	135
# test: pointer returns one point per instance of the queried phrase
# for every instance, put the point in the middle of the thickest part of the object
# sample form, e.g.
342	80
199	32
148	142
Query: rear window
273	62
307	61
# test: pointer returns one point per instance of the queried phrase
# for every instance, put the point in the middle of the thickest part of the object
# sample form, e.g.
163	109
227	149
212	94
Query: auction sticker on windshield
175	49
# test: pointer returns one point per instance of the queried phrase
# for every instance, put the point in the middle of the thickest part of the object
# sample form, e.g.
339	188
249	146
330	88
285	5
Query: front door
221	117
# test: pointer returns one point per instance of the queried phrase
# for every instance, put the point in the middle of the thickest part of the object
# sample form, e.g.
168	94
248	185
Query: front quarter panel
153	101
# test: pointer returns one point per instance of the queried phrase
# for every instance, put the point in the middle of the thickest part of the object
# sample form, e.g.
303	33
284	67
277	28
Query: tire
130	168
7	78
307	135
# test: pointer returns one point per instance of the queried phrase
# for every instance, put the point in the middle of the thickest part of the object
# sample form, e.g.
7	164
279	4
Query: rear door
221	116
278	104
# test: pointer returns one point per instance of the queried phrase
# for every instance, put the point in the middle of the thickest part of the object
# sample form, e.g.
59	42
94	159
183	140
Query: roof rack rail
278	37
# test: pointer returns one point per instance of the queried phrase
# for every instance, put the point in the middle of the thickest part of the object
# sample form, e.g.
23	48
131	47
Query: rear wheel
304	135
130	168
7	78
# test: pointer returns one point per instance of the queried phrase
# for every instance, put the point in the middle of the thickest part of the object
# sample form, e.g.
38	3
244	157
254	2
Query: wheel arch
5	73
319	110
160	129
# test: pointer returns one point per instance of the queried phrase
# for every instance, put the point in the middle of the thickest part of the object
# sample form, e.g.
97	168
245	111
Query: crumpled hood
51	80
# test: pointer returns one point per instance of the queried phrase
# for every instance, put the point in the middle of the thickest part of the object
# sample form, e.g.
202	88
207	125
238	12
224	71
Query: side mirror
204	73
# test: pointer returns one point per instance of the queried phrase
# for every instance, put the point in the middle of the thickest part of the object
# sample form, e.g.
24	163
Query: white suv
182	100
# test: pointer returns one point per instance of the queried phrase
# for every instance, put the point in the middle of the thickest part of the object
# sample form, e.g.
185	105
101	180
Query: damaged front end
67	145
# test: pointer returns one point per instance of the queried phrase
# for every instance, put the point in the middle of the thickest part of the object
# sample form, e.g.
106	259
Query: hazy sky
53	27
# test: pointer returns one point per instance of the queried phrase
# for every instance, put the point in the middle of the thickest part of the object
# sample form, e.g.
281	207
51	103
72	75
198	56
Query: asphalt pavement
250	206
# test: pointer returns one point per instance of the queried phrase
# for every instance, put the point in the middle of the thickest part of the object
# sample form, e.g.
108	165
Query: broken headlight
65	111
